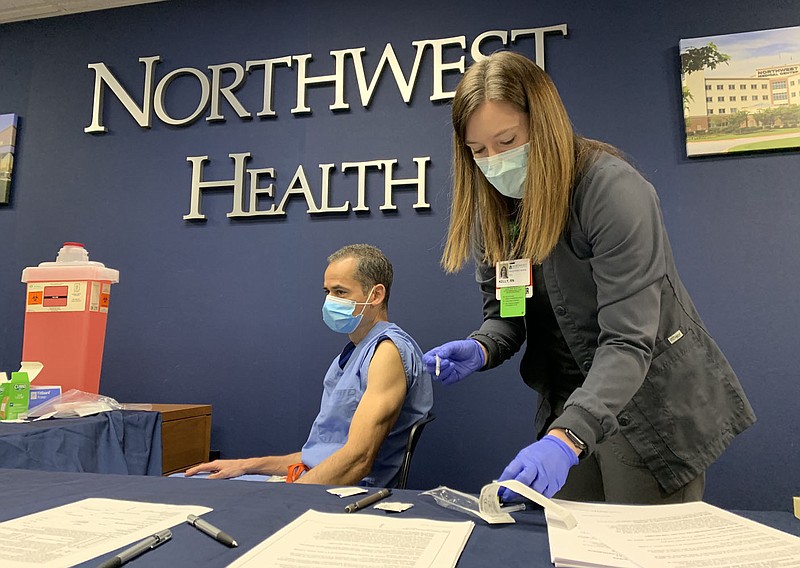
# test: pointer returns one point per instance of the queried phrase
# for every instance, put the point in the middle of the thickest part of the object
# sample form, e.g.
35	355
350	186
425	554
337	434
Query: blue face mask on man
337	313
506	171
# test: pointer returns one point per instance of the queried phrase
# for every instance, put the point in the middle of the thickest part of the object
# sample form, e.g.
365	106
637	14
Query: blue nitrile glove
543	465
457	359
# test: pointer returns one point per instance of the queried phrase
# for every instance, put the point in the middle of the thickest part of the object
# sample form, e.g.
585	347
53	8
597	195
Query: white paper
80	531
680	535
393	506
581	543
328	540
342	492
33	368
493	512
46	416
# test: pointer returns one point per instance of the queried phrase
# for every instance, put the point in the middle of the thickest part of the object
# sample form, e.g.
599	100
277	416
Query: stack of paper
331	539
79	531
666	536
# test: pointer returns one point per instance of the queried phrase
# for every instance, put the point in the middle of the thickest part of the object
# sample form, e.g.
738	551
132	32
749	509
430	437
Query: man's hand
543	466
457	359
220	469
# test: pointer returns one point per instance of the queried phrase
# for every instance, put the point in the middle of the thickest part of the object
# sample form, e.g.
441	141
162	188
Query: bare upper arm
382	400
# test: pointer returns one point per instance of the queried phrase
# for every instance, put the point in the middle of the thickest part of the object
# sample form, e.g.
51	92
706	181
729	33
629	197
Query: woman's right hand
457	359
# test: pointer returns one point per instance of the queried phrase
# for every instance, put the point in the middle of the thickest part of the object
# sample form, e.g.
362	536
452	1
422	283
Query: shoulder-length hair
507	228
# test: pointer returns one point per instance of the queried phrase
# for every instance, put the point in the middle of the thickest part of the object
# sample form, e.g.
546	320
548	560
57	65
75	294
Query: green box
14	397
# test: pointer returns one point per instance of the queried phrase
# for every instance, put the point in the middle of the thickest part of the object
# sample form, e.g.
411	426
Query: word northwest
276	73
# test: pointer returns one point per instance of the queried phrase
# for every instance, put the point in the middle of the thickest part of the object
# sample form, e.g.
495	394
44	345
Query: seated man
374	390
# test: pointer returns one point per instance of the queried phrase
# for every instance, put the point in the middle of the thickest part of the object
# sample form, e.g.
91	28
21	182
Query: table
252	511
119	441
185	435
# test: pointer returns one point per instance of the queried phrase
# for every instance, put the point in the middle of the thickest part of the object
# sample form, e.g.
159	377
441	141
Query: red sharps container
65	318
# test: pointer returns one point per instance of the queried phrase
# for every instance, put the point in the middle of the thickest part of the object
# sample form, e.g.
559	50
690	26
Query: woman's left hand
543	466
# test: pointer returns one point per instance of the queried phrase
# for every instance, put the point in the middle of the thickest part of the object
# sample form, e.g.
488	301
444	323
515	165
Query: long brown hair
556	154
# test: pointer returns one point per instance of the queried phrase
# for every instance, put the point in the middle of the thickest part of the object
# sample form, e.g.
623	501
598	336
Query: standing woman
636	398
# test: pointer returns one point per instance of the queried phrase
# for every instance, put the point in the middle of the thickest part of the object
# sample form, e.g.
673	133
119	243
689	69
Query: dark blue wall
228	312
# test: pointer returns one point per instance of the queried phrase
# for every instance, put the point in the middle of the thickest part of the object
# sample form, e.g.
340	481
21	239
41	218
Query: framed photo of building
741	92
8	136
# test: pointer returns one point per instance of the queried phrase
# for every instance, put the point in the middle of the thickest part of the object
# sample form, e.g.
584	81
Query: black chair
413	438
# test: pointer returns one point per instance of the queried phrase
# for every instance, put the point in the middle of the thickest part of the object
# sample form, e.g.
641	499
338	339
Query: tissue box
40	394
14	397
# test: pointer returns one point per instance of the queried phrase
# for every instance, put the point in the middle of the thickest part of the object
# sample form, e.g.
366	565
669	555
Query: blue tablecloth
251	511
120	441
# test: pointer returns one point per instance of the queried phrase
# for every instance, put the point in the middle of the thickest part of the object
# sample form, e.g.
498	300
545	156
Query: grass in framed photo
8	136
741	92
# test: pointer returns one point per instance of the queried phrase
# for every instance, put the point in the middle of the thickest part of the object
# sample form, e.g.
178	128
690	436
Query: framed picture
741	92
8	136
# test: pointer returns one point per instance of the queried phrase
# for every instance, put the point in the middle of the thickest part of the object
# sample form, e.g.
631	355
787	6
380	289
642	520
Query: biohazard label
56	296
105	296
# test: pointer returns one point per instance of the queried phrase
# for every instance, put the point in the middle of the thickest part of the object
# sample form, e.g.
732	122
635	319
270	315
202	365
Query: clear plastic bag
466	503
78	403
452	499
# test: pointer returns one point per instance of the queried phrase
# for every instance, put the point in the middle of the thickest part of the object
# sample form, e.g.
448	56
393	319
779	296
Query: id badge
514	283
512	273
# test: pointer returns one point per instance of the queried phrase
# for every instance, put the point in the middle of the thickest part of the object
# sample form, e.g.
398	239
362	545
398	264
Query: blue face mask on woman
337	313
506	171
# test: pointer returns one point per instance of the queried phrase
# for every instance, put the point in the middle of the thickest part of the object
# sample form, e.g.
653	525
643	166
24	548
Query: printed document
668	536
80	531
327	540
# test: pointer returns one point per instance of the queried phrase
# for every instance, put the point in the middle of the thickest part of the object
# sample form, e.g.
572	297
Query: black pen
137	549
367	501
211	530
